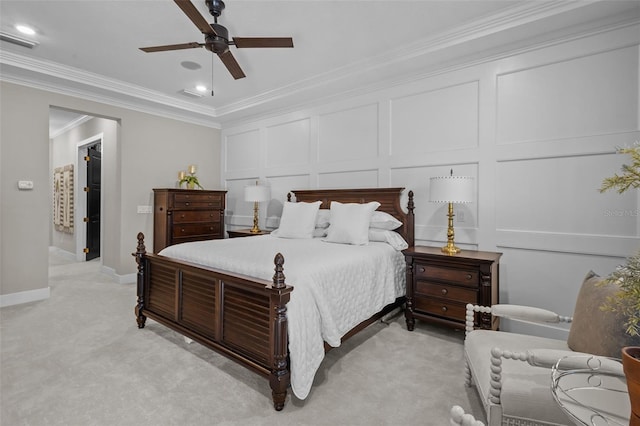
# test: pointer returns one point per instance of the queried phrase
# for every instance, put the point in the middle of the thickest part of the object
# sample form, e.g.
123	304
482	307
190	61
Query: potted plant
627	300
191	181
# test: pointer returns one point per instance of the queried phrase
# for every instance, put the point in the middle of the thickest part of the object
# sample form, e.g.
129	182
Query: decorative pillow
350	222
298	220
392	238
383	220
322	220
593	330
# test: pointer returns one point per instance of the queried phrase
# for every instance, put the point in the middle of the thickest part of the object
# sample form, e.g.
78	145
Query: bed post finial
410	225
141	250
278	277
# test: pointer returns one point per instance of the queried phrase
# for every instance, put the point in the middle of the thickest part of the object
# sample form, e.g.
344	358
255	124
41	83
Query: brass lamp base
255	229
450	248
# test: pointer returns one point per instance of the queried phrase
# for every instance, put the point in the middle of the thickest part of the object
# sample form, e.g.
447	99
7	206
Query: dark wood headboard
389	199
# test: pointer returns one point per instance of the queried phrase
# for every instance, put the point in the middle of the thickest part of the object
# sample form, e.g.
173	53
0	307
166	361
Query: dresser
440	285
182	215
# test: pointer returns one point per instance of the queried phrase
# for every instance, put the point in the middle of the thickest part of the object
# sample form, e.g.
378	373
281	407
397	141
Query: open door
94	164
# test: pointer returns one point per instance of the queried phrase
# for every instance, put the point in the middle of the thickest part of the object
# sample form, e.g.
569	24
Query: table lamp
451	189
256	194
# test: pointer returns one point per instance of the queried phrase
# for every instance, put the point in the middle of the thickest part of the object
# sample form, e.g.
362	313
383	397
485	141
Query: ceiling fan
216	37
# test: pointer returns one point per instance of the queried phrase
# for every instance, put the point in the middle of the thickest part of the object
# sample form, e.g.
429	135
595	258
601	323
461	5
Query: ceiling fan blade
242	42
191	45
192	13
232	65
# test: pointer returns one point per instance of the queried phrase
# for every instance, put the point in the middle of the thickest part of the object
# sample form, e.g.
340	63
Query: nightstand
440	285
246	233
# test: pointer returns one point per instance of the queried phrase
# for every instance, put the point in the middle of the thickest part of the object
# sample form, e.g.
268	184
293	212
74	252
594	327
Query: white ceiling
90	49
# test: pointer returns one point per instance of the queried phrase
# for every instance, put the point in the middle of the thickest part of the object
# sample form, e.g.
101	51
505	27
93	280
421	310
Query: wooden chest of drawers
182	215
439	285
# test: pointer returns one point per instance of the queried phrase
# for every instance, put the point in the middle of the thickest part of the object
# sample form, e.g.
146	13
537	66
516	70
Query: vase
191	185
631	367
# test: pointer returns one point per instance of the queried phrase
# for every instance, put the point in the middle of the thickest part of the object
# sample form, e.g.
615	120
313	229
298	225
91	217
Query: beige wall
150	151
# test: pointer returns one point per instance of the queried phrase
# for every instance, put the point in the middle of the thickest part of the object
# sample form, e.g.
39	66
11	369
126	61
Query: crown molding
507	19
68	80
75	123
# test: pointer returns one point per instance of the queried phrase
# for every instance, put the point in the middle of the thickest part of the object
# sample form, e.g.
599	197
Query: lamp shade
256	193
451	189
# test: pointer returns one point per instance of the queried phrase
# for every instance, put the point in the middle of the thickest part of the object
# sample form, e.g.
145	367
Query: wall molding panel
538	130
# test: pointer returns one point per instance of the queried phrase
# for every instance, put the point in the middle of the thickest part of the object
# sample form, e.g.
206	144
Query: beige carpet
78	358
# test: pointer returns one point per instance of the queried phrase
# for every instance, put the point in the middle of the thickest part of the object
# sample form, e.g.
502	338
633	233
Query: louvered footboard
238	316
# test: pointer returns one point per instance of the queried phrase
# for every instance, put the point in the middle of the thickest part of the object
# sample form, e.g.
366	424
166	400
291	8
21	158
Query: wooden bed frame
238	316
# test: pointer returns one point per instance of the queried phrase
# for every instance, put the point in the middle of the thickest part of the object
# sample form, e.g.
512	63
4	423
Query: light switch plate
145	209
25	184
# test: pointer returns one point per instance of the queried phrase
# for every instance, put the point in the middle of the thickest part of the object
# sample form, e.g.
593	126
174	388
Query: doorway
93	189
89	196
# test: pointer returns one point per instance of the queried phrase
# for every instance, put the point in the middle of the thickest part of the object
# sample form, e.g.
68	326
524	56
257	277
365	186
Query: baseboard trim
24	297
120	279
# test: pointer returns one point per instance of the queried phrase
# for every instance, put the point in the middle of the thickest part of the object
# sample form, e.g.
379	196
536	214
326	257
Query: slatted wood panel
198	309
161	296
246	323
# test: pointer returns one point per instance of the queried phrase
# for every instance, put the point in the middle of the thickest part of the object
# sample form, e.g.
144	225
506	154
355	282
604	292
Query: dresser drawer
187	216
450	292
440	307
190	229
197	201
458	276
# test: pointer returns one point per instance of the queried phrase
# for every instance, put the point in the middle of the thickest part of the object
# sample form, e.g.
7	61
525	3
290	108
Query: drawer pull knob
445	291
186	204
469	276
421	269
182	230
444	309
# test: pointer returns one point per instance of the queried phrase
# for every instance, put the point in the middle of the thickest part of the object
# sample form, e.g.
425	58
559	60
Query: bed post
139	255
409	226
279	378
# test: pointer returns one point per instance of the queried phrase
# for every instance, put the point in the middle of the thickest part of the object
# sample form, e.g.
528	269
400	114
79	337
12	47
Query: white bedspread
336	286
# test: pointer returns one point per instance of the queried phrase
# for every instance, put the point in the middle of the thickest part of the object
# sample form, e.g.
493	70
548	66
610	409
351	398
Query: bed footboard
238	316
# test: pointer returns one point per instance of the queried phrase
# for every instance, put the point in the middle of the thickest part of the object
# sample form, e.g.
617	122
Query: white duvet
336	286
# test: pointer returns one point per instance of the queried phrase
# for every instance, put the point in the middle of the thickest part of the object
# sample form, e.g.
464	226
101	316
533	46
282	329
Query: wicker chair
512	372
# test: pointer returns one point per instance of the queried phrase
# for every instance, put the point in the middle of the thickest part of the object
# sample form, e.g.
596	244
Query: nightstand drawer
189	229
197	200
440	307
196	216
457	276
459	294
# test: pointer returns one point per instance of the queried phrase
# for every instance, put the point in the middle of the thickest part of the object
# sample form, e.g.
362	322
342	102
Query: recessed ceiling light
201	88
25	29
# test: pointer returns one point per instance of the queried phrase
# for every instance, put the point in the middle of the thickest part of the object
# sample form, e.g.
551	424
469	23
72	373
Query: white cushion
350	222
298	220
392	238
526	390
383	220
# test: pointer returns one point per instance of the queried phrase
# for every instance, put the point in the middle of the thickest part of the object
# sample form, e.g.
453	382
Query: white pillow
322	220
392	238
298	220
383	220
350	222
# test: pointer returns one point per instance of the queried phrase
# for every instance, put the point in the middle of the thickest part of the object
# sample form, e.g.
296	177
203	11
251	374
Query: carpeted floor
78	358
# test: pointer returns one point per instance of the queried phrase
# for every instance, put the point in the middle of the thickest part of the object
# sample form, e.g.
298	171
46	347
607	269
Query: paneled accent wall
537	129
